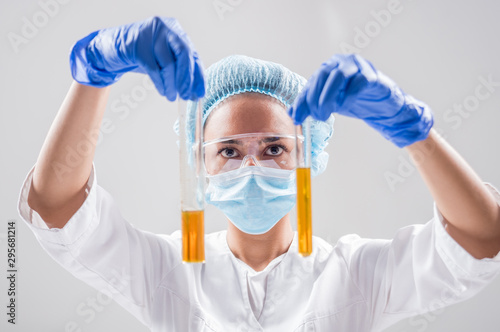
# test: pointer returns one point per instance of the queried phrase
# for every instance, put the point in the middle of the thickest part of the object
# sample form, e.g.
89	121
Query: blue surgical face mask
254	198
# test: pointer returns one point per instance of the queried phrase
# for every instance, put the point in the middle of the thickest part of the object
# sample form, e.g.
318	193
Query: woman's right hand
157	46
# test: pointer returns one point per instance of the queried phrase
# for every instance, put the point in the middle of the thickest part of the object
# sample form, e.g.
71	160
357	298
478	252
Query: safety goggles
253	149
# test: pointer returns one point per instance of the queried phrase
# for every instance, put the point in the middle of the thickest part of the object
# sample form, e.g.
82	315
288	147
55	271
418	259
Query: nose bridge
249	160
252	147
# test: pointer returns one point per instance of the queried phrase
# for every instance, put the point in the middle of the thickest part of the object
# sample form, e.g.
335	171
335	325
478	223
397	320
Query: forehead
248	113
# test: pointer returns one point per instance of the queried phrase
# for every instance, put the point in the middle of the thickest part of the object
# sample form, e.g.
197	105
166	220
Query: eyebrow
265	140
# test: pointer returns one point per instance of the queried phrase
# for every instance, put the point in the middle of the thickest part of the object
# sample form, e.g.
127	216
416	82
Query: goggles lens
253	149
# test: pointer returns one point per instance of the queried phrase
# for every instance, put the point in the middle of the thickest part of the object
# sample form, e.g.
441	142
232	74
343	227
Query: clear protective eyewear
252	149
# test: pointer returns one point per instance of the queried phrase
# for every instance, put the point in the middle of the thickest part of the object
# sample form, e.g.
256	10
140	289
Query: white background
435	50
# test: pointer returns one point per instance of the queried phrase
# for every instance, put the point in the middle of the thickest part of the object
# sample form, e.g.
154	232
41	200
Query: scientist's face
248	113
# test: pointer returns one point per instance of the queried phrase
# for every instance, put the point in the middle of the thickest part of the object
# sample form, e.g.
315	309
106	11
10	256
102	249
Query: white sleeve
100	247
422	269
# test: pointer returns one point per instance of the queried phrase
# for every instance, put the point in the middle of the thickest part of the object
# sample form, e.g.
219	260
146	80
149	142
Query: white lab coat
359	285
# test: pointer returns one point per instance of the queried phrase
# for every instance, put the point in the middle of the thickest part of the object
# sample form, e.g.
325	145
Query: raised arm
90	237
61	173
469	208
350	85
158	47
422	268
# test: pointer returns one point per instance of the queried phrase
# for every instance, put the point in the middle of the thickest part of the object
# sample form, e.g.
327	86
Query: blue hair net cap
238	74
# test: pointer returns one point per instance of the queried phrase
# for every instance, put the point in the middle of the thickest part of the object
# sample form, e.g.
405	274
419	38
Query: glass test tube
303	178
192	181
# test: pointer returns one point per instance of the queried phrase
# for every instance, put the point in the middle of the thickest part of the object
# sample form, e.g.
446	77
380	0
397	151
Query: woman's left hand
350	85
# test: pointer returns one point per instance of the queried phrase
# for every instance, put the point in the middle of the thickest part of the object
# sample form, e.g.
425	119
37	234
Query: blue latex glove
350	85
157	46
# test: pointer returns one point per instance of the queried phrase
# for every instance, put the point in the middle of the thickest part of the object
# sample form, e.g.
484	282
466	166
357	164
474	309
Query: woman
253	278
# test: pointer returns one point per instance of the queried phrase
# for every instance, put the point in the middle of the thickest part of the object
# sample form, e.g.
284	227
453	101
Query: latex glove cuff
412	123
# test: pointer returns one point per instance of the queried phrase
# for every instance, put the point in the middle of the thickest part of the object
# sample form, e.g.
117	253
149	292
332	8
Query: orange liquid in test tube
304	215
193	237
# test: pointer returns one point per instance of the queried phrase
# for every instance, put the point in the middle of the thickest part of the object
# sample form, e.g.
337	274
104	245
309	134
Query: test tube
192	176
303	179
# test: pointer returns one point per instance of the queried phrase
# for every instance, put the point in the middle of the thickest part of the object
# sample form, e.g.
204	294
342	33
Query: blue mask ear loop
303	181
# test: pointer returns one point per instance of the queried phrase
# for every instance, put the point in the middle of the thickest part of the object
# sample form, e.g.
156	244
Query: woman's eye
274	150
229	153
